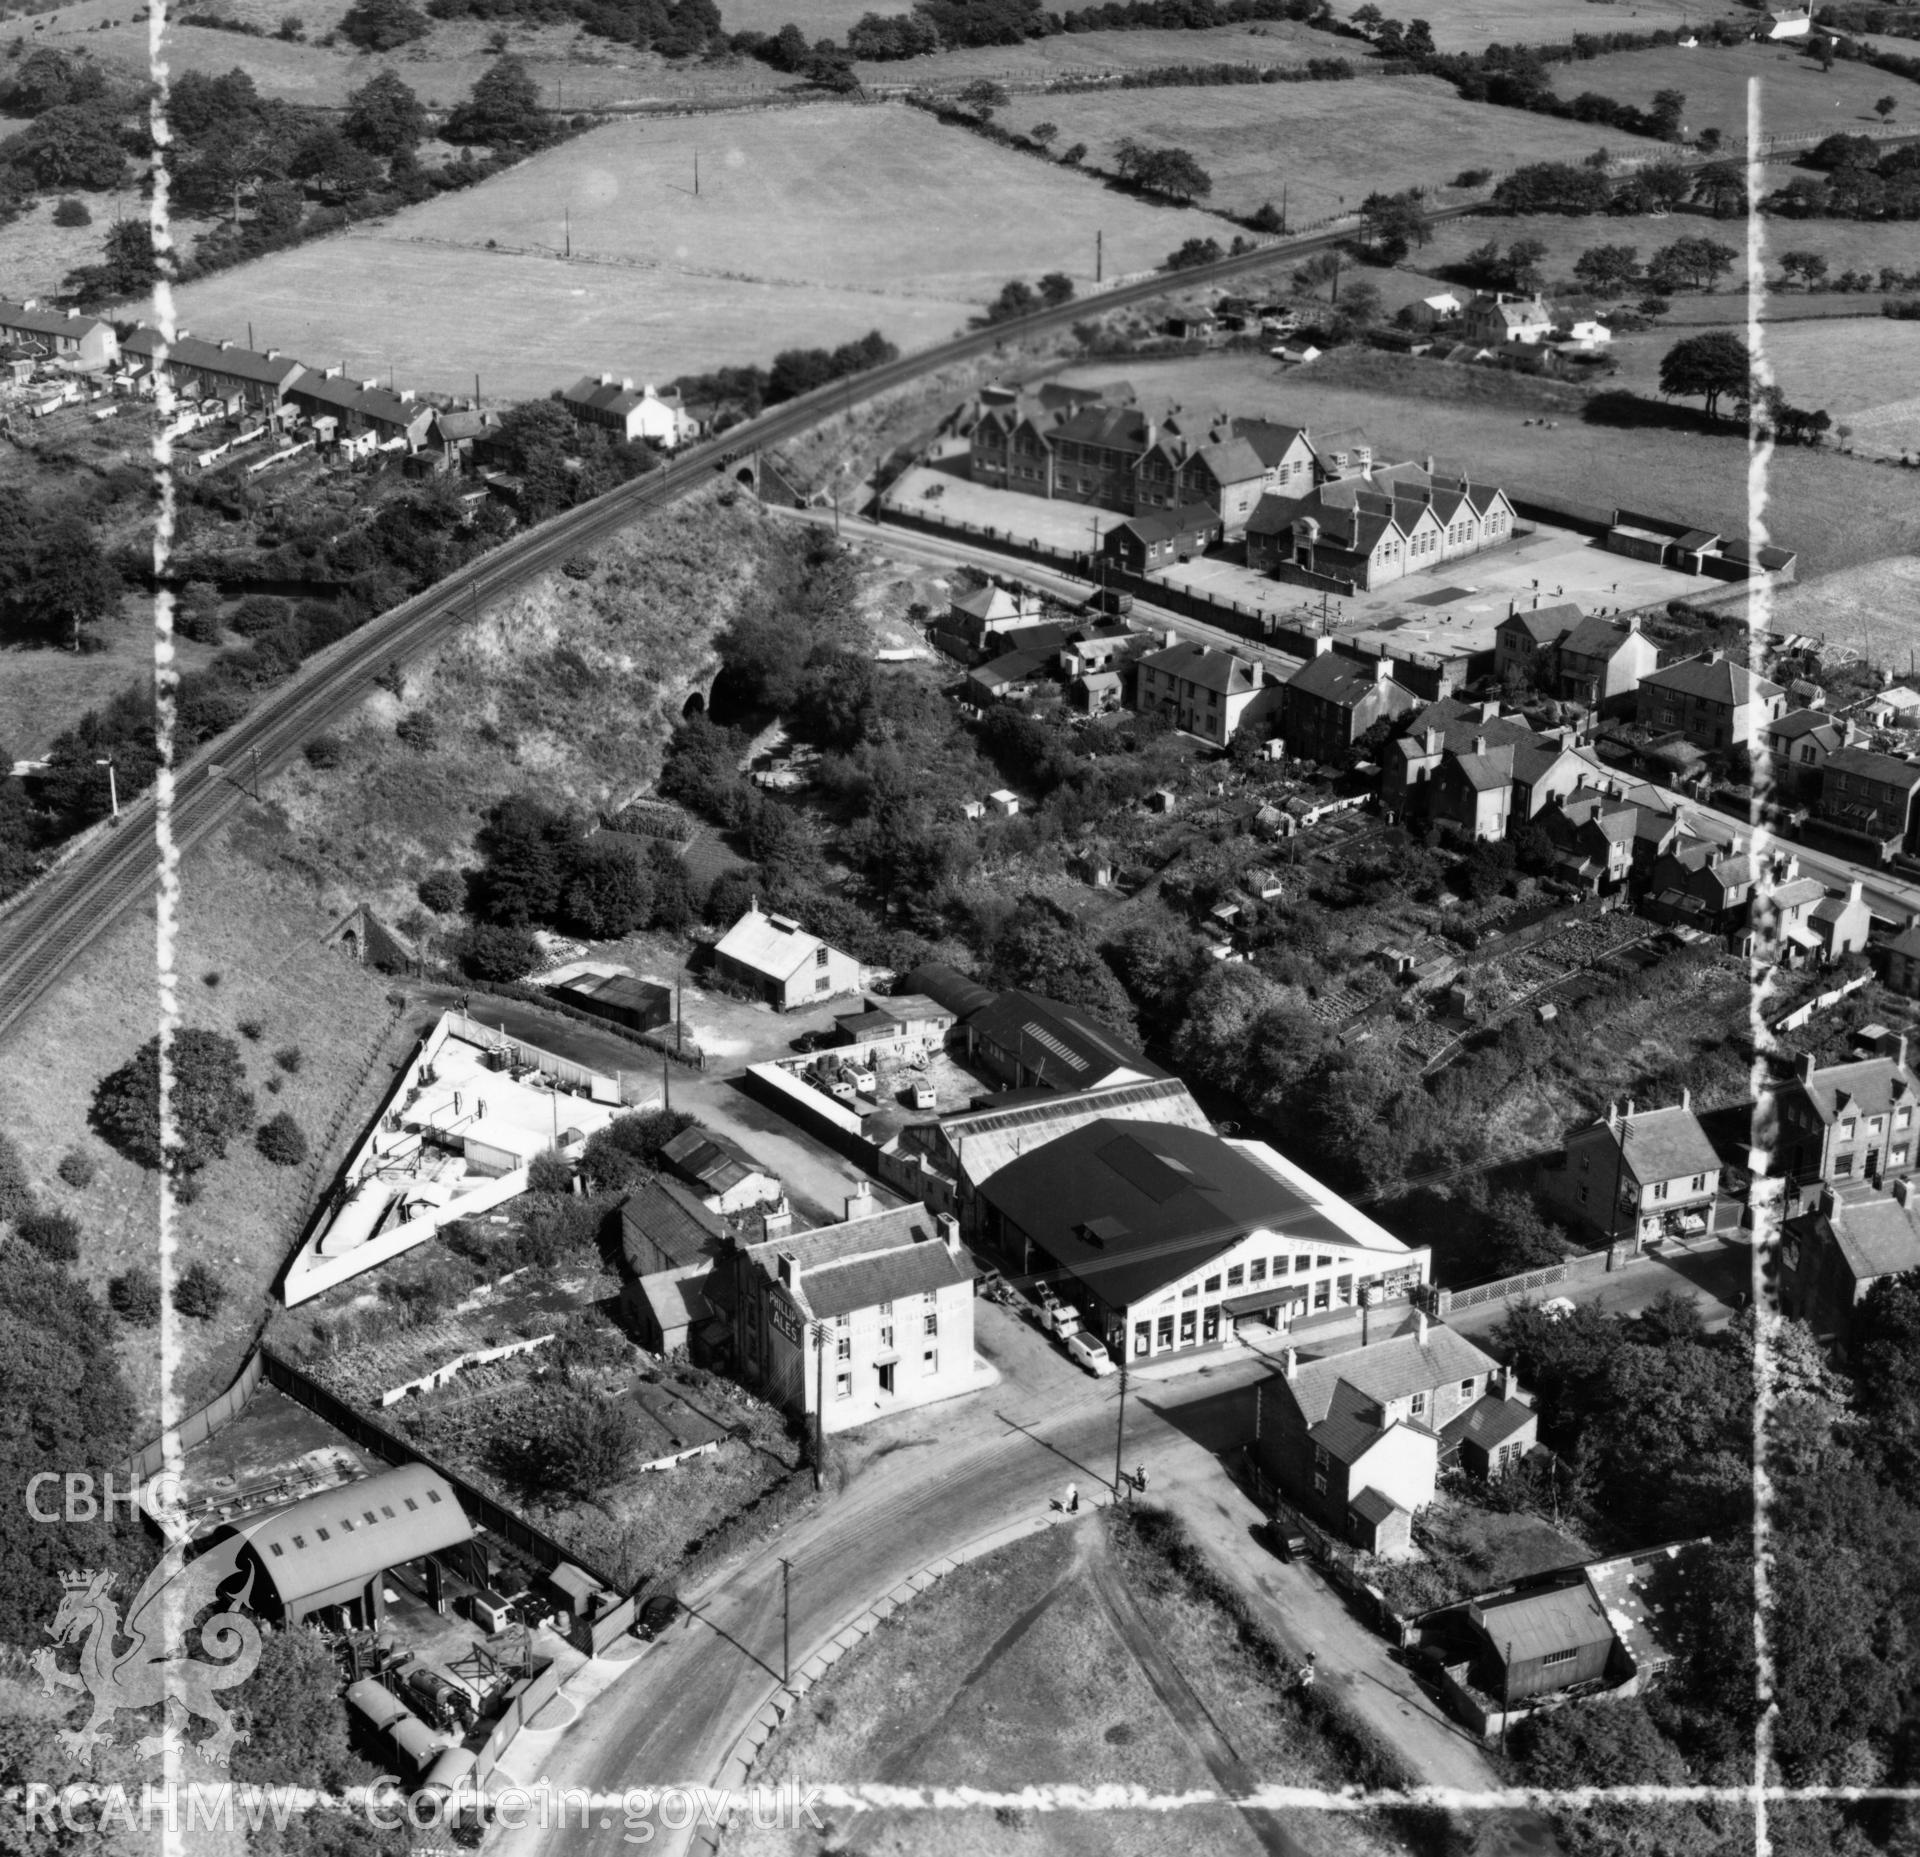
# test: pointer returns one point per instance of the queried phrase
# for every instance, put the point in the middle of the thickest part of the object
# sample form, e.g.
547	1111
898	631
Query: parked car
655	1616
864	1081
1057	1319
1284	1539
922	1094
1090	1355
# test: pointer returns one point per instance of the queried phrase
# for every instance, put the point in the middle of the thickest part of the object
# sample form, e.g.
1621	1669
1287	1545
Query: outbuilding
781	963
331	1552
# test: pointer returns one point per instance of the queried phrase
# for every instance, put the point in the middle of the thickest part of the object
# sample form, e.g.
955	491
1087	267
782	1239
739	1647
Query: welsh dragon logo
143	1661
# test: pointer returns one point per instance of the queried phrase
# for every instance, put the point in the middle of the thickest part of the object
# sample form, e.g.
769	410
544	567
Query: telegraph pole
1120	1429
567	210
1099	256
696	174
786	1623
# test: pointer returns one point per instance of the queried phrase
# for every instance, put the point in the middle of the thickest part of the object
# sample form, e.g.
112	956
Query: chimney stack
1686	1097
776	1220
1290	1363
1382	671
1420	1326
789	1269
1479	744
859	1202
948	1228
1807	1067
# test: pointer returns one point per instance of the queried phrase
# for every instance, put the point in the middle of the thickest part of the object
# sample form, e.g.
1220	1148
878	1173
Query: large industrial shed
334	1548
624	999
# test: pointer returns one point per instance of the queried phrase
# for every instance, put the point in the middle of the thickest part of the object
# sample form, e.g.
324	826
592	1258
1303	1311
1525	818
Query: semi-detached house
65	336
1333	699
1206	690
1712	701
1867	795
1841	1122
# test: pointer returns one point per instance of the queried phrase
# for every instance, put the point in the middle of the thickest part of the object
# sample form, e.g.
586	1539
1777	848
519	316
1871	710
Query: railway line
52	923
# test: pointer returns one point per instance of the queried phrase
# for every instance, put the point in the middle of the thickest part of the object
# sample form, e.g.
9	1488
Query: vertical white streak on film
167	857
1759	627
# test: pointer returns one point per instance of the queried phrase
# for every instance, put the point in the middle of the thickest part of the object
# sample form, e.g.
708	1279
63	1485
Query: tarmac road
928	1484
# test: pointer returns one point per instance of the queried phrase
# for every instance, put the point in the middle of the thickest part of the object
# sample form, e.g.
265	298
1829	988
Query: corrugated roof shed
1535	1625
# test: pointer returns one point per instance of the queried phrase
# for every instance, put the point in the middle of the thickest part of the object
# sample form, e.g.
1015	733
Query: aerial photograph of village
960	928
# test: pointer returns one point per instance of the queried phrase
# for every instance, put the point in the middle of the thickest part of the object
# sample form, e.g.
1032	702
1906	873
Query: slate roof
1010	667
1334	677
1371	1506
1116	428
1866	764
676	1298
1547	624
1907	942
1595	637
1718	681
1206	665
15	316
853	1265
1798	722
1270	440
861	1282
1157	525
1233	460
191	354
1488	772
1866	1086
1489	1422
1168	1199
984	1140
1530	1626
1384	1371
986	604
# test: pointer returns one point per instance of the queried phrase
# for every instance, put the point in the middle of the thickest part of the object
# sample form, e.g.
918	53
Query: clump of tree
382	25
209	1103
1712	367
281	1140
1018	298
620	1155
1170	172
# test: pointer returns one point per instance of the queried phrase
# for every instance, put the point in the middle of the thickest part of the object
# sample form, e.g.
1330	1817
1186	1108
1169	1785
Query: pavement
920	1490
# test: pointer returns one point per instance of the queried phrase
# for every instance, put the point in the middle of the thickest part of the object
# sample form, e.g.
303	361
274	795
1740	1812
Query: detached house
1641	1176
1354	1441
1206	690
1496	317
1869	796
1332	700
1841	1122
780	962
850	1322
1712	701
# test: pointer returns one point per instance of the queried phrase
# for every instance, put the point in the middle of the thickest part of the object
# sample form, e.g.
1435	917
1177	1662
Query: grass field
810	227
1796	96
46	689
35	254
1863	372
1837	512
1873	608
1023	1669
256	925
1254	138
1470	24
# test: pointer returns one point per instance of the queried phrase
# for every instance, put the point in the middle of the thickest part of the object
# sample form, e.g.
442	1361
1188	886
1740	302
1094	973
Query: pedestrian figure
1073	1499
1140	1479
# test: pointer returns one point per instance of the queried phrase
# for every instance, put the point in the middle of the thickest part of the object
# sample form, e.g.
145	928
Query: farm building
781	963
64	336
328	1555
621	999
